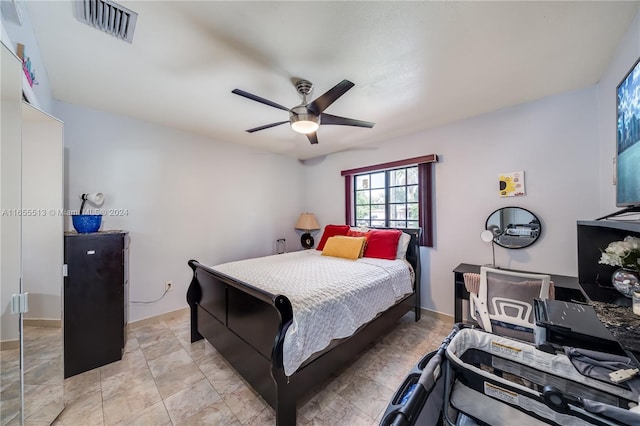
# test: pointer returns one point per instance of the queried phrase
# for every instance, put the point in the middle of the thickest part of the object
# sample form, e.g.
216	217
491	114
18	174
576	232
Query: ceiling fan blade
323	101
258	99
313	138
266	126
343	121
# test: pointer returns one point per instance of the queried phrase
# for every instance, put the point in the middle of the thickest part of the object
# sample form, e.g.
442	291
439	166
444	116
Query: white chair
504	302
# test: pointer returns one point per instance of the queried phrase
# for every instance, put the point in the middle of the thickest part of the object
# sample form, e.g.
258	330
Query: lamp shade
486	236
96	198
307	222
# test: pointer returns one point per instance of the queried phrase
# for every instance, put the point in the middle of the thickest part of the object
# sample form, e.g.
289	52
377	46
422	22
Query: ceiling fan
308	116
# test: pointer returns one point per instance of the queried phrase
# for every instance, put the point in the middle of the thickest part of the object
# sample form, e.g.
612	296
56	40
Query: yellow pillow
364	246
345	247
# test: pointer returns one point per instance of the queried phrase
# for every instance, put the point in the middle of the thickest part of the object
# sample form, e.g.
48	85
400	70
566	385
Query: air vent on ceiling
107	16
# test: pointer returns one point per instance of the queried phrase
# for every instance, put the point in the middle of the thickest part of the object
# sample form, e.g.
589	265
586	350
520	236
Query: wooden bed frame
247	326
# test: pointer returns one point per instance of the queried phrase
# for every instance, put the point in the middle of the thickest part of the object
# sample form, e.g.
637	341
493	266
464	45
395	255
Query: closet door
31	255
10	226
42	259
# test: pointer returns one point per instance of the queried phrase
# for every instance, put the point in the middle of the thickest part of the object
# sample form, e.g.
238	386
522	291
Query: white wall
627	54
186	197
553	140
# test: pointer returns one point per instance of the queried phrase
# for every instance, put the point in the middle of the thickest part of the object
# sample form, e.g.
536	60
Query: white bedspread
331	297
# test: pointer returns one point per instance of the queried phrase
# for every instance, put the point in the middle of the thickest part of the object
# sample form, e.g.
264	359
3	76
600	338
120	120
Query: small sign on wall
511	184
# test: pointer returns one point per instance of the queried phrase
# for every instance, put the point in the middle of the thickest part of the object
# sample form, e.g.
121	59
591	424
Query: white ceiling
415	65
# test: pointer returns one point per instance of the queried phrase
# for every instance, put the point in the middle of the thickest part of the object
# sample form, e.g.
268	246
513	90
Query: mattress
331	297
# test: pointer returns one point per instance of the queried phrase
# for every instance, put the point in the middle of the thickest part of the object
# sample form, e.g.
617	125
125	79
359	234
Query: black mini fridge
96	287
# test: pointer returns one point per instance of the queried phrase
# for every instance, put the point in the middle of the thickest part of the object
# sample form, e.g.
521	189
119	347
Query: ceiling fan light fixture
304	126
304	122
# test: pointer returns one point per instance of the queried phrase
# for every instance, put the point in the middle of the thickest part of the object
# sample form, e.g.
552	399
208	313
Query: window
388	198
395	195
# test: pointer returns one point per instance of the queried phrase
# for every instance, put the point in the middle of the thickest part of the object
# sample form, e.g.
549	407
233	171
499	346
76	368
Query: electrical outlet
168	286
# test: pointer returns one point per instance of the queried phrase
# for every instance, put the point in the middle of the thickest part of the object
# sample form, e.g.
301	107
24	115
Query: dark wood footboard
247	326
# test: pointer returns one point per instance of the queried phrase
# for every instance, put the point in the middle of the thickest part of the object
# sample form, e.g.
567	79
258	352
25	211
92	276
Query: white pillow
403	244
360	229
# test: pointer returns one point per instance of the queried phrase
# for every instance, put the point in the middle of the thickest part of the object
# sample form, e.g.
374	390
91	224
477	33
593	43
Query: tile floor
163	379
43	378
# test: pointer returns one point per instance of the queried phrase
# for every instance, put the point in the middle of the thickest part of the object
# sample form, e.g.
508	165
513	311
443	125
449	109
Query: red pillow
354	233
365	234
331	231
382	244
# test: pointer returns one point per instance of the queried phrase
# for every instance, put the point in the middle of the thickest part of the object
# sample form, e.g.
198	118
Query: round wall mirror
514	227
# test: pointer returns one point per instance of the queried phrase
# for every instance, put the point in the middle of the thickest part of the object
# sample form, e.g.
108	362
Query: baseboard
161	317
9	344
42	322
15	344
438	315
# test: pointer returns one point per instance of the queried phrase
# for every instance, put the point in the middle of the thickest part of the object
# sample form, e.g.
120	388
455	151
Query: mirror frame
496	237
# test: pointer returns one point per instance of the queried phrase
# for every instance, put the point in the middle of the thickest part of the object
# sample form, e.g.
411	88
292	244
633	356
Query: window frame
365	184
425	191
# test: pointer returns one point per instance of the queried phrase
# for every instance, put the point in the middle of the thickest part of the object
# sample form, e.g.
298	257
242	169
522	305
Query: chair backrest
472	284
507	297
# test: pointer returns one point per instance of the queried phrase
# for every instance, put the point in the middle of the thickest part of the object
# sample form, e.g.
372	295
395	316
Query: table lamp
488	236
86	223
95	198
307	222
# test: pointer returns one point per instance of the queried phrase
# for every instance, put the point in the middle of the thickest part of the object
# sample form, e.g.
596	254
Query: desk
567	288
612	309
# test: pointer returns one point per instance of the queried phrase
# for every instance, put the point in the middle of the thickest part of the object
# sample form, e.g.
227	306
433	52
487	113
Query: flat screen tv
628	139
